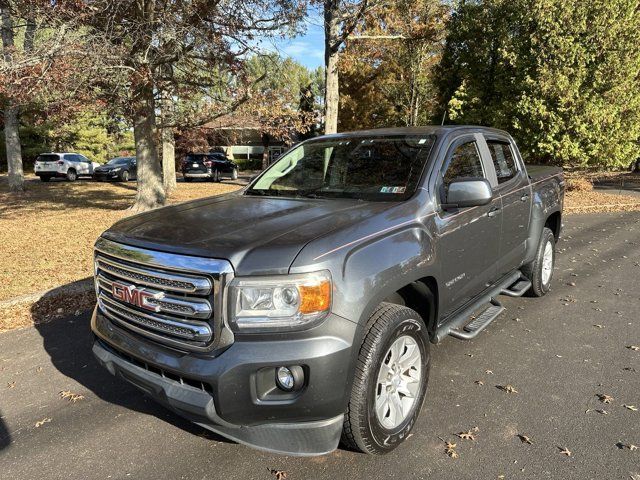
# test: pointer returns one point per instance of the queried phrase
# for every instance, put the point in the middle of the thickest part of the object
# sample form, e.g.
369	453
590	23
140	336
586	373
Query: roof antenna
444	116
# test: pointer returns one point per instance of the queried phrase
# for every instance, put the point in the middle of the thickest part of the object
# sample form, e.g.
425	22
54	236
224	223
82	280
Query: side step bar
459	326
478	324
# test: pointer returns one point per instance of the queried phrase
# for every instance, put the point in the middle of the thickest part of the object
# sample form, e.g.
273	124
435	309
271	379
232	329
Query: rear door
514	189
195	163
47	162
468	238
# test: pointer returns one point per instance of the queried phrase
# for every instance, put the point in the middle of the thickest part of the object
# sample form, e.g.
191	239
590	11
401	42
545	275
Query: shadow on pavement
5	436
68	342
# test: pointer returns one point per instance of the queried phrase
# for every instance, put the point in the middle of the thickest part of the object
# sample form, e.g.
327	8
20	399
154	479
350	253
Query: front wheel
234	174
540	271
390	381
124	176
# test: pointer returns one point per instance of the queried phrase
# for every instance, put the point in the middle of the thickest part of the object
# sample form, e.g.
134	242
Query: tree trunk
168	145
14	150
11	112
150	192
331	50
266	140
168	160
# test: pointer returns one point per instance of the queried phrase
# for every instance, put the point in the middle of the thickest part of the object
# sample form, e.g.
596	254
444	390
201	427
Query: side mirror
468	193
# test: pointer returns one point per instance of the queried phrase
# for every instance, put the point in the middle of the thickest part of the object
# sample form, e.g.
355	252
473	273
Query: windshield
384	168
119	161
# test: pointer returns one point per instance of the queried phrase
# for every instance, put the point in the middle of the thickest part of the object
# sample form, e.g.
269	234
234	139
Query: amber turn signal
315	298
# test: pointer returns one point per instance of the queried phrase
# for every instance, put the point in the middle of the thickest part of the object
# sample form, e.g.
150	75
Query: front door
468	238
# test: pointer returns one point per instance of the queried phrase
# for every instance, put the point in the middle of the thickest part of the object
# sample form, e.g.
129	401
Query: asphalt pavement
558	352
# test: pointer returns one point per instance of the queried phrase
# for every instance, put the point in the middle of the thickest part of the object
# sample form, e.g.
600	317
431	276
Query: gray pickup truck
299	310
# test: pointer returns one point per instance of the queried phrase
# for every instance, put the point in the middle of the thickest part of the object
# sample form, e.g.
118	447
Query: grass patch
47	233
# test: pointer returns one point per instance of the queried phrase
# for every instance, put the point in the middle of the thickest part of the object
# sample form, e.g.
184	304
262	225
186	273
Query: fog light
285	379
290	378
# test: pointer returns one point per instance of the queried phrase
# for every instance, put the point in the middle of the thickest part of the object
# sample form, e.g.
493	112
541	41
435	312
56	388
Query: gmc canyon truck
299	311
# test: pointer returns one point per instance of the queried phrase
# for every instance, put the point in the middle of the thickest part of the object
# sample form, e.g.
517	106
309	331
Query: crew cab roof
438	130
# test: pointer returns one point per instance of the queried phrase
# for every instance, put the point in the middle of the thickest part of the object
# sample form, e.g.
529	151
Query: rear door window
503	160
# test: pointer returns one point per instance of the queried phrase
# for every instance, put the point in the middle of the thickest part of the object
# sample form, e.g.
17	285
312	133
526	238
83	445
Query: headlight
287	302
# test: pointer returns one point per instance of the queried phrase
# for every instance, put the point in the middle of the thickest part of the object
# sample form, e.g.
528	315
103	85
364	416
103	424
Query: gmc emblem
135	296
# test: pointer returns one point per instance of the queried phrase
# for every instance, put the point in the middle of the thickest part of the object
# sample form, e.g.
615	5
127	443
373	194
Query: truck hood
258	235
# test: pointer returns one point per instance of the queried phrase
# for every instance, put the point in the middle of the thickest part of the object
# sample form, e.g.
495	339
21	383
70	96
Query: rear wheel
540	271
390	381
216	176
187	179
44	178
72	176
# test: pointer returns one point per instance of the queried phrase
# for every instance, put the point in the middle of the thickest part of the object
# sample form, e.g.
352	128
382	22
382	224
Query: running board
459	325
479	323
518	289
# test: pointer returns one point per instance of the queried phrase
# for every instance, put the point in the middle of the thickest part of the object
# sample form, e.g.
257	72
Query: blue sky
308	48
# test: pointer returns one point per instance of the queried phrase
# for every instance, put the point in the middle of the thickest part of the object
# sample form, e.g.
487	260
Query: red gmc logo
135	296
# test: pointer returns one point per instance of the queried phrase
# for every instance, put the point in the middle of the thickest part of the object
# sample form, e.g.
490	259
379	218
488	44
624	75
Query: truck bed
540	172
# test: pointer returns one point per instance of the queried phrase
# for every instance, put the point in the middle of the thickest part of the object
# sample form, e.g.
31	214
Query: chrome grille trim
185	306
199	333
173	299
173	282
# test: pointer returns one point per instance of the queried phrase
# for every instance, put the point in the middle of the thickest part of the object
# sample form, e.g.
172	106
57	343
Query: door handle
493	212
524	197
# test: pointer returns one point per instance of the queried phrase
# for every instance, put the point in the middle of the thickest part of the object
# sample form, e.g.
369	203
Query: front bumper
227	394
105	175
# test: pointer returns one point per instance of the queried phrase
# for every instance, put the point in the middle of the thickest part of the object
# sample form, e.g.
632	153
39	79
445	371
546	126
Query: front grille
191	382
172	299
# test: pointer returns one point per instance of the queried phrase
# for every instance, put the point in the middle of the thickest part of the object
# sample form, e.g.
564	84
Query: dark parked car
121	169
301	309
210	166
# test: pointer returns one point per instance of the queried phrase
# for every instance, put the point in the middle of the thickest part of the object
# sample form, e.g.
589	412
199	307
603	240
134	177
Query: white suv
65	165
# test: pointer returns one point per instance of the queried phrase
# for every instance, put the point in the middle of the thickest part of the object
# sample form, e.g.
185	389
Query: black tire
216	176
124	176
72	176
44	178
362	429
534	270
187	179
234	174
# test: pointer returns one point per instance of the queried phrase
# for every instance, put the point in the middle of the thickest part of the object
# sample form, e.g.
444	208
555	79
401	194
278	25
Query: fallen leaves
627	446
51	214
604	398
469	434
565	451
633	408
279	474
507	388
72	397
479	382
524	439
450	449
635	348
11	385
42	422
